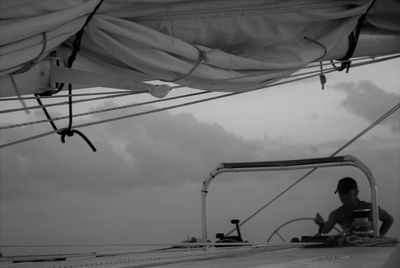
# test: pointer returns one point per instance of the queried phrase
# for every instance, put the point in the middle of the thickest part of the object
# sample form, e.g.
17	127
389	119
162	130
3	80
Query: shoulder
335	213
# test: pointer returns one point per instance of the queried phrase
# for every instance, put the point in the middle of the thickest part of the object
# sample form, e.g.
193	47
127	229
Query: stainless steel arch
347	160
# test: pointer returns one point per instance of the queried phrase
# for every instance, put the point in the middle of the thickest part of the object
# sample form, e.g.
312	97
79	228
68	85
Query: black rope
65	131
353	40
345	61
75	49
78	37
70	106
46	112
46	93
69	131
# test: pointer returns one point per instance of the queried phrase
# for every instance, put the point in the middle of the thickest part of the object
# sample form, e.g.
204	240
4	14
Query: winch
361	225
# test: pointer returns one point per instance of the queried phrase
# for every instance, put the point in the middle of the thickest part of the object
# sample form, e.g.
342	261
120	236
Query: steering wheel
276	232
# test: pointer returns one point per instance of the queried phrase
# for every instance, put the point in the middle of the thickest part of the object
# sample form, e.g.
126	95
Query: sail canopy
224	45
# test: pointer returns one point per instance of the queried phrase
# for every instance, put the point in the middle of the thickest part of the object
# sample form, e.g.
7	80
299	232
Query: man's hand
319	220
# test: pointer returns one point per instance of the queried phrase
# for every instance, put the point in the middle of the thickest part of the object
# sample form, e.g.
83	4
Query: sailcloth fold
214	45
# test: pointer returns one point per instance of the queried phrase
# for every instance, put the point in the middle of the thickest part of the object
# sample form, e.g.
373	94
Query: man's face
348	198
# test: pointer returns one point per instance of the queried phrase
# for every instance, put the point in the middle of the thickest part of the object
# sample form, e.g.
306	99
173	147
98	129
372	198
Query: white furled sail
233	45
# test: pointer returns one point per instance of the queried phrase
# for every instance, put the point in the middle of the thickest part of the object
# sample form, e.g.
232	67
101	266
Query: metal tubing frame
347	160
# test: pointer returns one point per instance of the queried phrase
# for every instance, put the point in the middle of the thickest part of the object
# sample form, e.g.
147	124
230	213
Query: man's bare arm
325	226
387	221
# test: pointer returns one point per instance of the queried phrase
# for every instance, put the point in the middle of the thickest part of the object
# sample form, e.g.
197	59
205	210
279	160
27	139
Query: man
348	192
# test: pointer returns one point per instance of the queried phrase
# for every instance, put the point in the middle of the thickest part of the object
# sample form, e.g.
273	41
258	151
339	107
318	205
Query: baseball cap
345	185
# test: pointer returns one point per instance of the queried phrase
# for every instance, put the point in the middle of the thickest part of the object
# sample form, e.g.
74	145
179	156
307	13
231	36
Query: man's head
345	185
348	190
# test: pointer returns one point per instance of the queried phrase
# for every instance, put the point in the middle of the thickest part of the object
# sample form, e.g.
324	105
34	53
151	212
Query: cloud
368	101
147	173
149	151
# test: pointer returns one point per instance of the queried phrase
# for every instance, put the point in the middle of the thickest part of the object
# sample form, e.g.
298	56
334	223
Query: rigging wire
134	105
69	131
75	95
63	103
198	101
27	66
123	93
103	110
152	111
328	63
125	106
312	65
379	120
19	97
371	61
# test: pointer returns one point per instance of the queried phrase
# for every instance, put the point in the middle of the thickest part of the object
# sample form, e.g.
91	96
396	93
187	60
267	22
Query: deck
260	256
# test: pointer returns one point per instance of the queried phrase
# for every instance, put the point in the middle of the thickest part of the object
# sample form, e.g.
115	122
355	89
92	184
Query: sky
143	184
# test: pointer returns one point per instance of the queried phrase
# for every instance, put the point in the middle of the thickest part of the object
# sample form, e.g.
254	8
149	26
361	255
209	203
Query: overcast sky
143	184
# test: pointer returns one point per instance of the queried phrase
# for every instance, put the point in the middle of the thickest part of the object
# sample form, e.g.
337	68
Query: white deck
280	256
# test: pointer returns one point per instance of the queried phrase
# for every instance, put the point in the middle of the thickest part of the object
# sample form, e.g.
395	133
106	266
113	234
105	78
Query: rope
190	103
353	41
41	105
380	119
150	102
78	37
39	101
202	57
76	47
362	241
129	106
319	44
102	110
116	93
69	131
24	106
124	93
373	60
345	62
26	67
139	114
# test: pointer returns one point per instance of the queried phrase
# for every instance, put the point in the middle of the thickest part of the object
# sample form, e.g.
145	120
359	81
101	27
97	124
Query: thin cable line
145	103
380	119
142	113
312	65
373	60
102	110
132	105
129	93
75	95
19	97
181	105
63	103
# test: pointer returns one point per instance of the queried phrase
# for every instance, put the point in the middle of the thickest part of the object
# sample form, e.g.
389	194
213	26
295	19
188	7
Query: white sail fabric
215	45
